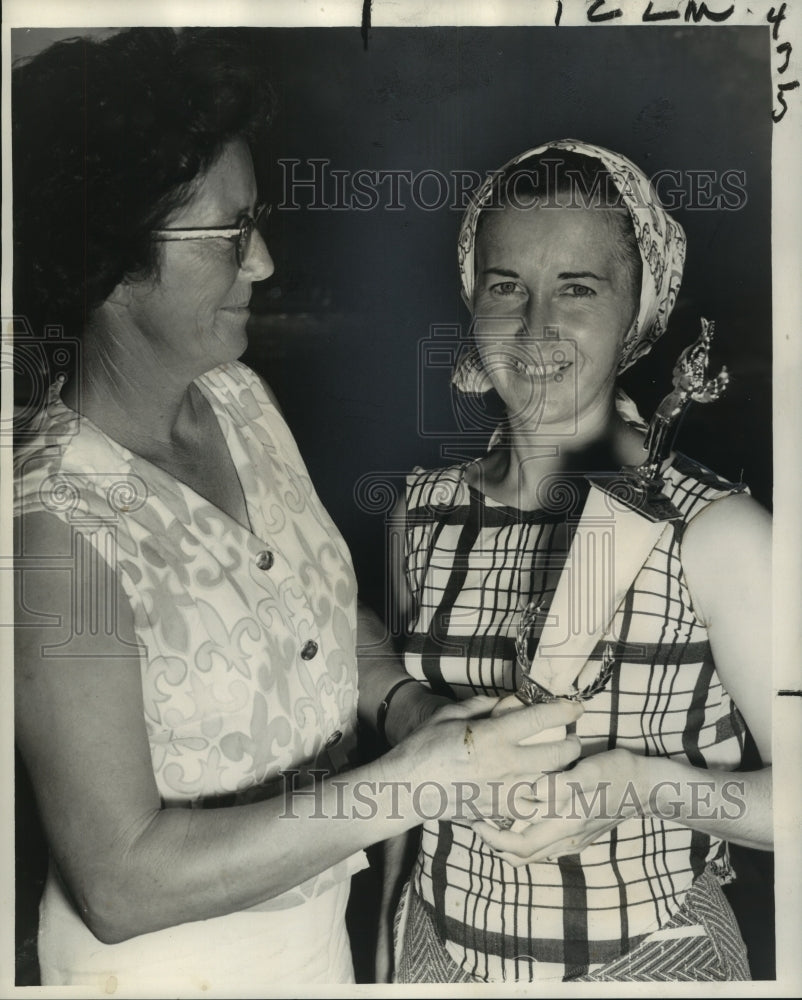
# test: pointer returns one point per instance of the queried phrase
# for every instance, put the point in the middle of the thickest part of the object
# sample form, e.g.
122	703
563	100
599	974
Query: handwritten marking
606	16
366	11
659	15
778	117
775	17
702	10
694	10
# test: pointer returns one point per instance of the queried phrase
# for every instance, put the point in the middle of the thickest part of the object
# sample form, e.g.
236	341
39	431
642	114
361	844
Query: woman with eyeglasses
186	669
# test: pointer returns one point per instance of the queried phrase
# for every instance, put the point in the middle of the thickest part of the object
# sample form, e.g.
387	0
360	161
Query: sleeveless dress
247	652
473	565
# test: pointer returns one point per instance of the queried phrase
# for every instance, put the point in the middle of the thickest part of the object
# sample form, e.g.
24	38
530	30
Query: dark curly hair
108	137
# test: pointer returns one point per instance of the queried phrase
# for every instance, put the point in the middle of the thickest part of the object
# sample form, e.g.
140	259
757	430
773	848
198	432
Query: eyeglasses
241	234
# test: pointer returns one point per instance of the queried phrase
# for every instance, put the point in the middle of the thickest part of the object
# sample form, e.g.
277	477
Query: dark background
338	330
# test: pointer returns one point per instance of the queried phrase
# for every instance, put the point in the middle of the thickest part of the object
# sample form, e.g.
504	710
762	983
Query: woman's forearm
733	805
178	865
576	807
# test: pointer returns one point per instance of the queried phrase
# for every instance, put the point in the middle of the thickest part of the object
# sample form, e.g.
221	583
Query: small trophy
640	487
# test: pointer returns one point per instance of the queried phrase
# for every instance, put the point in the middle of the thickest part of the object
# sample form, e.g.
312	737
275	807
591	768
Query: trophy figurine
690	386
640	487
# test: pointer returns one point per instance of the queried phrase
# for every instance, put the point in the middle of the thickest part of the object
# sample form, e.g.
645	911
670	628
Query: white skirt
240	954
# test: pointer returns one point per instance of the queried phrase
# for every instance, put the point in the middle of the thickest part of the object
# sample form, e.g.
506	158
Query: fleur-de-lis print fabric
246	632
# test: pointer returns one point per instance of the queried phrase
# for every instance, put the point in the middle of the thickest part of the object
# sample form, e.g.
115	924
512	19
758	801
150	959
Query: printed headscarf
660	239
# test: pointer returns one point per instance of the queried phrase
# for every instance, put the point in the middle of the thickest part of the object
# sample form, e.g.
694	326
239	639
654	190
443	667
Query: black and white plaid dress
472	566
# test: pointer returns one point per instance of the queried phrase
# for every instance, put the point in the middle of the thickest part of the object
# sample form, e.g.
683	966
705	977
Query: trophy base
633	489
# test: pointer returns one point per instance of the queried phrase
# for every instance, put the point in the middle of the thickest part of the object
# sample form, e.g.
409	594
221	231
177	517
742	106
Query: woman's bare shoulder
737	519
726	555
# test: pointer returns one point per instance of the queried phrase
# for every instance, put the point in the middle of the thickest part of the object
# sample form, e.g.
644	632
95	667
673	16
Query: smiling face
554	298
193	314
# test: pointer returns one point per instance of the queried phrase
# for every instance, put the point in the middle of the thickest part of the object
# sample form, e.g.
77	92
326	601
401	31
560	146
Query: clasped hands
566	801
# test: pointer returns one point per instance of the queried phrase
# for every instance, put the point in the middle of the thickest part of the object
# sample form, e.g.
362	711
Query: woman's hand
511	703
573	809
466	765
543	839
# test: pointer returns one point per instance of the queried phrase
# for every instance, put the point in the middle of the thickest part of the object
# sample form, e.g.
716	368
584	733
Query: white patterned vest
247	637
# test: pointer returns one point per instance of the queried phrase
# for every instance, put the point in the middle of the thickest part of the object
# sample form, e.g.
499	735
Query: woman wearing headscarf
571	268
187	612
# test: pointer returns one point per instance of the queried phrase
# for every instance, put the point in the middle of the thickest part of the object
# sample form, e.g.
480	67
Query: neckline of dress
535	514
543	513
55	402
